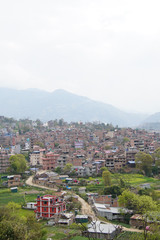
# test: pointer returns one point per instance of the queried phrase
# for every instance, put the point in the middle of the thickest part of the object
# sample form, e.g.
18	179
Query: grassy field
129	236
134	180
58	233
23	195
80	238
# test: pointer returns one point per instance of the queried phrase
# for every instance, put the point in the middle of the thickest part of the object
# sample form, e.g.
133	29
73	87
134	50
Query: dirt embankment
86	208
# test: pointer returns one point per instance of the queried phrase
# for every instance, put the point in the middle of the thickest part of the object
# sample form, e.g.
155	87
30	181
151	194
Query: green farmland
134	180
23	195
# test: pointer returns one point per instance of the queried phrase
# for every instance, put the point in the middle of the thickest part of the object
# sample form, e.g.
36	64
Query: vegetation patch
130	236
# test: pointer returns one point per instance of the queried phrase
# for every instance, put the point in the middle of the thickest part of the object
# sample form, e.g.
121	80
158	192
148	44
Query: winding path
29	182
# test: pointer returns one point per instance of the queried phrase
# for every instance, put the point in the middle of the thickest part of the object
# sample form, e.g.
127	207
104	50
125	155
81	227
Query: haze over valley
37	104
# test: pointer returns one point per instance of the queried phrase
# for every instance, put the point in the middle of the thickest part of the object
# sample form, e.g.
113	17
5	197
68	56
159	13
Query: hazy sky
107	50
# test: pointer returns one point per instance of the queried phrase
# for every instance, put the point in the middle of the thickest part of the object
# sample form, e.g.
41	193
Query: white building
111	213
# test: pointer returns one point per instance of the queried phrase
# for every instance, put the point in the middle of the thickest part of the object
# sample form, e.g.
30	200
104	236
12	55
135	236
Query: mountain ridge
36	103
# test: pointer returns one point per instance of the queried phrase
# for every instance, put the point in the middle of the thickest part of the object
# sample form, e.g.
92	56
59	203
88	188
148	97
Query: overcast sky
107	50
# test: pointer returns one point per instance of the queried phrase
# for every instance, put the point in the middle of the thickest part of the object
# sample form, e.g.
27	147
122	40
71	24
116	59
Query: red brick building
49	162
106	199
49	206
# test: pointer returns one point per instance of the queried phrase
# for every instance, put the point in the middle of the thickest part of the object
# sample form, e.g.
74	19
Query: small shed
68	180
51	222
31	205
145	185
63	177
136	221
66	219
82	190
14	189
81	218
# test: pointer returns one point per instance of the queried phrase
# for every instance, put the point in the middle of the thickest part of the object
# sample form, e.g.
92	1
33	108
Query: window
45	202
45	209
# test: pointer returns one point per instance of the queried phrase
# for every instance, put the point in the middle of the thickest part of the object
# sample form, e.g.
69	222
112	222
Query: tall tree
156	156
144	162
140	204
68	168
106	175
18	163
13	226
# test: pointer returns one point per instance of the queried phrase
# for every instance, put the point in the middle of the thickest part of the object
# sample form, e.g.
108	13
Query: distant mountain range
152	122
37	104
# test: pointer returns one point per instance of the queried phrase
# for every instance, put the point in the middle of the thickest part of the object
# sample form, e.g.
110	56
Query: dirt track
86	208
30	183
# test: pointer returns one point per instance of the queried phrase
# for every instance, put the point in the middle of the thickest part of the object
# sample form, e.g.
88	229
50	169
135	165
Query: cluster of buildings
12	181
84	146
53	208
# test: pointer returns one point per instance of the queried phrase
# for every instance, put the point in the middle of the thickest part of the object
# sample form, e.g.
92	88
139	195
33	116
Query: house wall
48	207
106	199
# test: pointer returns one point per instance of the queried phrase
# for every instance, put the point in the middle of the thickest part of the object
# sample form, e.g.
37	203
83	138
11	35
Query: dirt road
29	182
86	208
132	230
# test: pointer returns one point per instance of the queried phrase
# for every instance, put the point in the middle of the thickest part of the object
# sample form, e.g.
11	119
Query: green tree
103	169
13	206
12	230
106	175
82	182
156	156
58	170
34	231
68	168
18	163
125	140
56	144
113	190
144	162
40	144
140	204
13	226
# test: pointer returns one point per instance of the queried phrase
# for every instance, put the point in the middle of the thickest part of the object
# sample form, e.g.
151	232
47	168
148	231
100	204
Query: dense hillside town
79	174
87	146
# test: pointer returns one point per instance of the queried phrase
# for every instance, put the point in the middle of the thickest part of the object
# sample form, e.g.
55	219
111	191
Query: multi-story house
90	169
99	164
106	199
36	157
119	161
49	161
80	171
49	206
62	160
130	154
4	160
110	160
14	181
